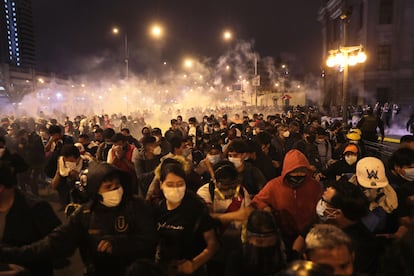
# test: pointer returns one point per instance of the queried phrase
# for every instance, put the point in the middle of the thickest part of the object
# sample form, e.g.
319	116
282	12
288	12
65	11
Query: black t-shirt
181	230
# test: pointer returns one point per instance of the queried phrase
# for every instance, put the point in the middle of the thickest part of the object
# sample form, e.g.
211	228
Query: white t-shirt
220	205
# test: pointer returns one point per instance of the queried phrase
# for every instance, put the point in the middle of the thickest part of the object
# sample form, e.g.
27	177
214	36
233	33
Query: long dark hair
170	165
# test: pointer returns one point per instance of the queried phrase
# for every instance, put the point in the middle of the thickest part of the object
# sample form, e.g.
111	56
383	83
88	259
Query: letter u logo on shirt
120	224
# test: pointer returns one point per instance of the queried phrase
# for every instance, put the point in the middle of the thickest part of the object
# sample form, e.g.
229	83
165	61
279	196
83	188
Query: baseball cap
370	173
353	136
351	148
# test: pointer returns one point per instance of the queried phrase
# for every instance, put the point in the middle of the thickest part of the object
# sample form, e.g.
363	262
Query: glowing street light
343	58
188	63
227	35
156	31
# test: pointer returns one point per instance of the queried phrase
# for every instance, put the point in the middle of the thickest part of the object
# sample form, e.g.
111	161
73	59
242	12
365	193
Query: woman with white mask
187	239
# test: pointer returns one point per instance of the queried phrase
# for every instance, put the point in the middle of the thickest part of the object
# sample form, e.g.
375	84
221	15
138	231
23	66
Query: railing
380	150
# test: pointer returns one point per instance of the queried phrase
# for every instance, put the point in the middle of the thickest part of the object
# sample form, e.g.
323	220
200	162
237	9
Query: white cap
370	173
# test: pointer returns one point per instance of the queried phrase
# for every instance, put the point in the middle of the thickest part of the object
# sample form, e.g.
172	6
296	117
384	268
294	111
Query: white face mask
71	165
351	159
174	194
286	134
213	158
2	151
236	161
157	150
409	174
324	212
112	198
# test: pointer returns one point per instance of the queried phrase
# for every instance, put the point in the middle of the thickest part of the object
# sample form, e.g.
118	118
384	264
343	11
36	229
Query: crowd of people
221	194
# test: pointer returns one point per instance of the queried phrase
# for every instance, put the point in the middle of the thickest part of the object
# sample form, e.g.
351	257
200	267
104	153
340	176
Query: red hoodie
294	208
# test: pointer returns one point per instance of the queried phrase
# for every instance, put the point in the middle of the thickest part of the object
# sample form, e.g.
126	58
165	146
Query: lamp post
116	32
344	57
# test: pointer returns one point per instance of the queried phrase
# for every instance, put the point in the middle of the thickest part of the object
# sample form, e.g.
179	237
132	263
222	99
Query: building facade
17	49
384	28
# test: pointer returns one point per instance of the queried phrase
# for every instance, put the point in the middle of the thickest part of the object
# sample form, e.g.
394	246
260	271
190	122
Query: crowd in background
217	193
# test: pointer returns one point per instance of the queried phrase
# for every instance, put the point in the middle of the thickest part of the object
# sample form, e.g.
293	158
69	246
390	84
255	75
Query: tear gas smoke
205	86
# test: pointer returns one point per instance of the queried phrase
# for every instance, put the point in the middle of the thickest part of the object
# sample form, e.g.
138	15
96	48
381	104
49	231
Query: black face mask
262	260
295	181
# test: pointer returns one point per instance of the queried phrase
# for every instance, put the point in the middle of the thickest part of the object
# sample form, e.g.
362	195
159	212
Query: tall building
17	49
17	34
384	29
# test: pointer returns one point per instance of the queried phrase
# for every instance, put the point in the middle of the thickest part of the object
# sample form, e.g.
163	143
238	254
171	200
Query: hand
119	152
104	246
185	267
319	176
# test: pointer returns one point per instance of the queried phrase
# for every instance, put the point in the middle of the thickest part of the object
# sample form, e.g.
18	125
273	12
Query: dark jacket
27	221
129	227
15	160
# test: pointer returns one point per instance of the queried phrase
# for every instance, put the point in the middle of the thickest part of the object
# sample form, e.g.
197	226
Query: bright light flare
115	30
361	57
188	63
227	35
156	31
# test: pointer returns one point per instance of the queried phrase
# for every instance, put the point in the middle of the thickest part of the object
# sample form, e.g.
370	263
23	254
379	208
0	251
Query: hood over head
98	172
294	159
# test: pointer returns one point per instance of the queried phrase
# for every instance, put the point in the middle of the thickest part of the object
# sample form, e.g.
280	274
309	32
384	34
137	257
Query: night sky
72	34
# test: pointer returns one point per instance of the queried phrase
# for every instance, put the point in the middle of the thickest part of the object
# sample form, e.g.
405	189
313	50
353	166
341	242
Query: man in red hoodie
292	198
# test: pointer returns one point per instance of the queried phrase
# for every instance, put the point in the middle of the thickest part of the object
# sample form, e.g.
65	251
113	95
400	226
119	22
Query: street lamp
156	31
345	57
227	35
188	63
116	31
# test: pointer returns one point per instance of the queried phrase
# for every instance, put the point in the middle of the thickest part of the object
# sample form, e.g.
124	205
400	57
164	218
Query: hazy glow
198	86
227	35
156	31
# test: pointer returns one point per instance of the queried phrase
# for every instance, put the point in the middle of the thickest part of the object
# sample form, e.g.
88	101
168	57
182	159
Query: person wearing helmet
111	230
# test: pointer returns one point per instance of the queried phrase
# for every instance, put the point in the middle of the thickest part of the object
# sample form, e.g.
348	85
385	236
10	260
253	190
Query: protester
111	231
70	164
225	194
291	196
328	245
249	176
25	219
187	239
371	178
263	253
